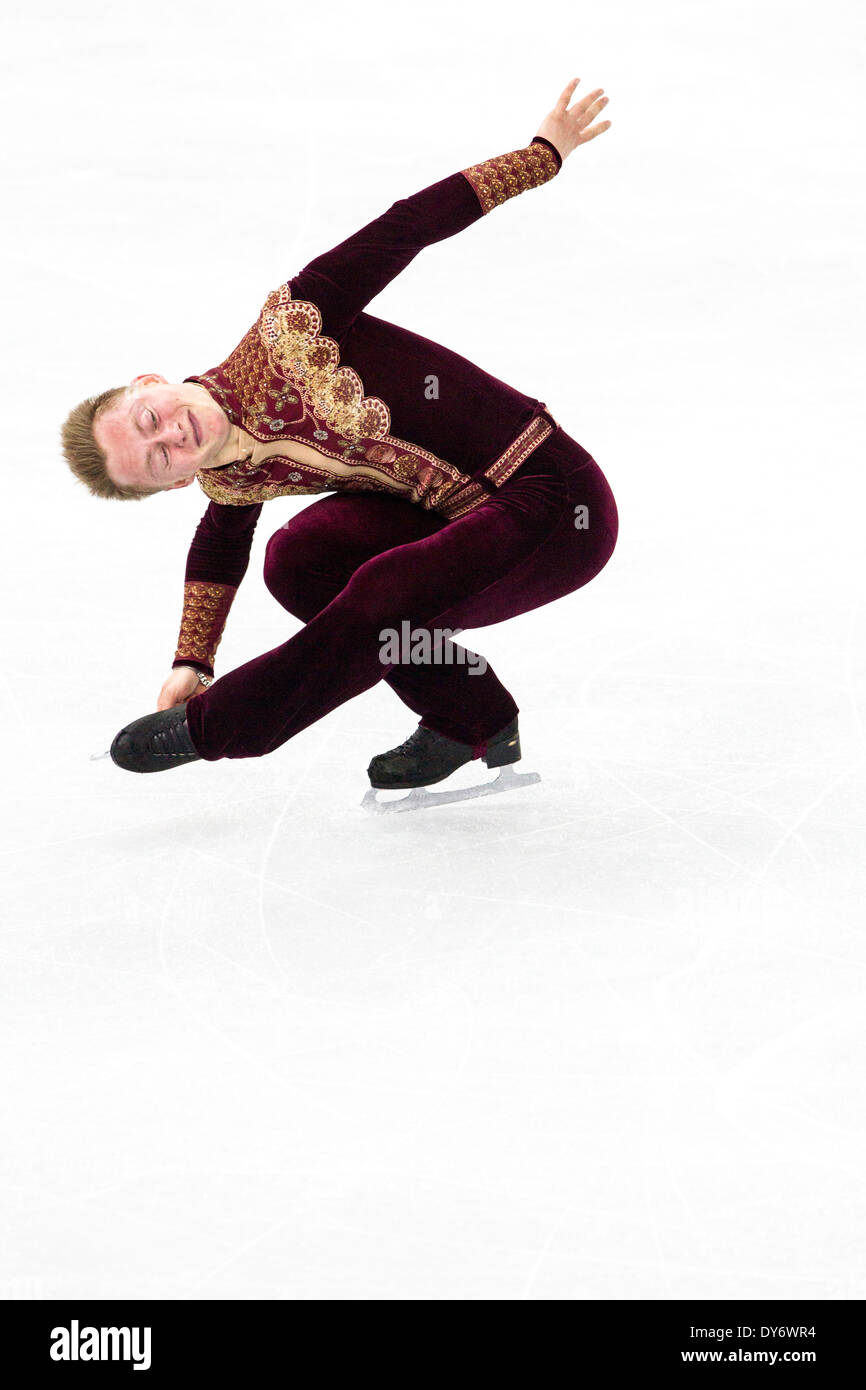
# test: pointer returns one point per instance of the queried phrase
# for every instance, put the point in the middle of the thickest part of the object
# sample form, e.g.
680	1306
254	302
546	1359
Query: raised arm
342	281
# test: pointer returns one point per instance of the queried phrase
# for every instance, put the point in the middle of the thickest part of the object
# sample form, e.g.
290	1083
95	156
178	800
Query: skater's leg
312	557
574	552
255	708
517	551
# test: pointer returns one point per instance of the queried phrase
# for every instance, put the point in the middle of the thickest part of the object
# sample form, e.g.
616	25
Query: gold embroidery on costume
249	373
233	496
241	483
205	609
341	438
519	449
291	330
503	177
216	388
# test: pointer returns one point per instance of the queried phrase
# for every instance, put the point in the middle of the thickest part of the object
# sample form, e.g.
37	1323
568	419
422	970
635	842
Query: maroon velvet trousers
354	564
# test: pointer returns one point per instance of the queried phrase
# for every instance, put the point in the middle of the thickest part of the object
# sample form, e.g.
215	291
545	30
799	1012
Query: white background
600	1038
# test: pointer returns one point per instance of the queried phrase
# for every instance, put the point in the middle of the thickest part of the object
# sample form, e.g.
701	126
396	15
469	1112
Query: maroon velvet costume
454	507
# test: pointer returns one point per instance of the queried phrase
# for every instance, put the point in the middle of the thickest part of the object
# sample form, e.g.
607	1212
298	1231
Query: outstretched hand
567	129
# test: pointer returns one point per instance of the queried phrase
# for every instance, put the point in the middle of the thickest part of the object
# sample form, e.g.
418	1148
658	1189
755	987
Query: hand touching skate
180	686
567	129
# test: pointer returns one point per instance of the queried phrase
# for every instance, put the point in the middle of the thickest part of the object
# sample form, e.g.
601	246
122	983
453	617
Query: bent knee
287	567
278	561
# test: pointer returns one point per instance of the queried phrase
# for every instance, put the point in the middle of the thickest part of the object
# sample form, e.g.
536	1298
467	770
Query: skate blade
419	797
94	757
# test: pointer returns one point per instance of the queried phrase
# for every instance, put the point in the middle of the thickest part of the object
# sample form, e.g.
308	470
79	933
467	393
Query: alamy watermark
76	1343
427	646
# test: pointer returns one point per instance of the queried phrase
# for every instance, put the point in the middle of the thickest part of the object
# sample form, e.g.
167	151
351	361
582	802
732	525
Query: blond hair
84	456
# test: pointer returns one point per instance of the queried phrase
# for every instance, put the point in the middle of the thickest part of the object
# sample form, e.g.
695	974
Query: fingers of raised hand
595	130
587	116
591	104
567	93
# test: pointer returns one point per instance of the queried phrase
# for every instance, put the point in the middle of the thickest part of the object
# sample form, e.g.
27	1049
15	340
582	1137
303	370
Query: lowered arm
216	563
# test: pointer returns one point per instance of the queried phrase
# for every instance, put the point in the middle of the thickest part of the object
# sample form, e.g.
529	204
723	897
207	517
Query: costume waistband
520	448
473	494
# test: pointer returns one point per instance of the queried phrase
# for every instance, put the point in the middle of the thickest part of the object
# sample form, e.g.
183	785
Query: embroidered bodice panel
313	428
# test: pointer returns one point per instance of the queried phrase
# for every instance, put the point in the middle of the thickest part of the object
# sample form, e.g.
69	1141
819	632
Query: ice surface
603	1038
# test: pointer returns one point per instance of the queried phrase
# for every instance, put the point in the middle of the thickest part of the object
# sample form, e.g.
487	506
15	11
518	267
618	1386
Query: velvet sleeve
342	281
216	563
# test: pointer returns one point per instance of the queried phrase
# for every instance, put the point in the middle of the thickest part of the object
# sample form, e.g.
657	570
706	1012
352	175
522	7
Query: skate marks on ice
419	798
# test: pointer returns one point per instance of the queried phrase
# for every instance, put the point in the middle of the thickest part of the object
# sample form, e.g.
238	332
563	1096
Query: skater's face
160	435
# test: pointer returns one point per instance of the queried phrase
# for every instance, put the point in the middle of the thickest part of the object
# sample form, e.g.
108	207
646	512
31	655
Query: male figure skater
457	501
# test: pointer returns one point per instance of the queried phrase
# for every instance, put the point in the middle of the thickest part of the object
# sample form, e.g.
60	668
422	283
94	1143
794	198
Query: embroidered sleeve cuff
205	610
543	140
503	177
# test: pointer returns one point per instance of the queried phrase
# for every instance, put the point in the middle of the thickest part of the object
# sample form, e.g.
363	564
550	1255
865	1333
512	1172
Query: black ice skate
428	757
155	742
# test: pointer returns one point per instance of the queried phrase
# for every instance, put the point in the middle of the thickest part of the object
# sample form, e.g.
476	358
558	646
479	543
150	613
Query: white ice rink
601	1038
